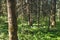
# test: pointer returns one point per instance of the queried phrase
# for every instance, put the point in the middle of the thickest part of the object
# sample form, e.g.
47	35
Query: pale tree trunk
12	20
53	13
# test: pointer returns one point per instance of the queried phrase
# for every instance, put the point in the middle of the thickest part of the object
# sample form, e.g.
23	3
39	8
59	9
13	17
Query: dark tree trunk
29	11
12	20
1	11
45	7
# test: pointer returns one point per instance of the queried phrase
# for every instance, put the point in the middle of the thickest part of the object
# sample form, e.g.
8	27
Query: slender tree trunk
1	12
53	12
38	12
30	8
12	20
29	11
45	7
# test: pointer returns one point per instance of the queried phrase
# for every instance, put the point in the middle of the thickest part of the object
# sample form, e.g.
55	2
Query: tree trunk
12	20
52	15
1	12
38	12
29	11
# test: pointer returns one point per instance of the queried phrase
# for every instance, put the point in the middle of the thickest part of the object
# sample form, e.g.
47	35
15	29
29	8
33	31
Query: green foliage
26	32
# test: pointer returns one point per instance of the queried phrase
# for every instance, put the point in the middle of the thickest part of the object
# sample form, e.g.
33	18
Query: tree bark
53	12
29	11
12	20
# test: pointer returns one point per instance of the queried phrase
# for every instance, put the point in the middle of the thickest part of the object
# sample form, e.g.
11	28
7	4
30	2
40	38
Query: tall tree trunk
27	7
29	11
38	12
45	7
53	12
12	20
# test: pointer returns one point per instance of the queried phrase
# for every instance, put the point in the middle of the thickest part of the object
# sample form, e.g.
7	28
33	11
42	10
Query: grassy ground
26	32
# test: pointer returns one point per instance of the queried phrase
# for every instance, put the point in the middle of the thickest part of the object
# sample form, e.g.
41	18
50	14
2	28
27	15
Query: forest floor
26	32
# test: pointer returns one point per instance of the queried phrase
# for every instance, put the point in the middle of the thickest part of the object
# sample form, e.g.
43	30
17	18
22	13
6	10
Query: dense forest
29	19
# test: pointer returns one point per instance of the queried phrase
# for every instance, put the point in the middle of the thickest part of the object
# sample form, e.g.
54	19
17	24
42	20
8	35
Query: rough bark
12	20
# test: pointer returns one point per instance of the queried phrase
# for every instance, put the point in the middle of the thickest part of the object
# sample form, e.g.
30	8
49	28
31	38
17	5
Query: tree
29	12
1	12
12	20
38	11
52	14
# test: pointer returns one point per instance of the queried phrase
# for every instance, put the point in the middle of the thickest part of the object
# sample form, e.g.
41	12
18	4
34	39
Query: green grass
35	33
27	32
